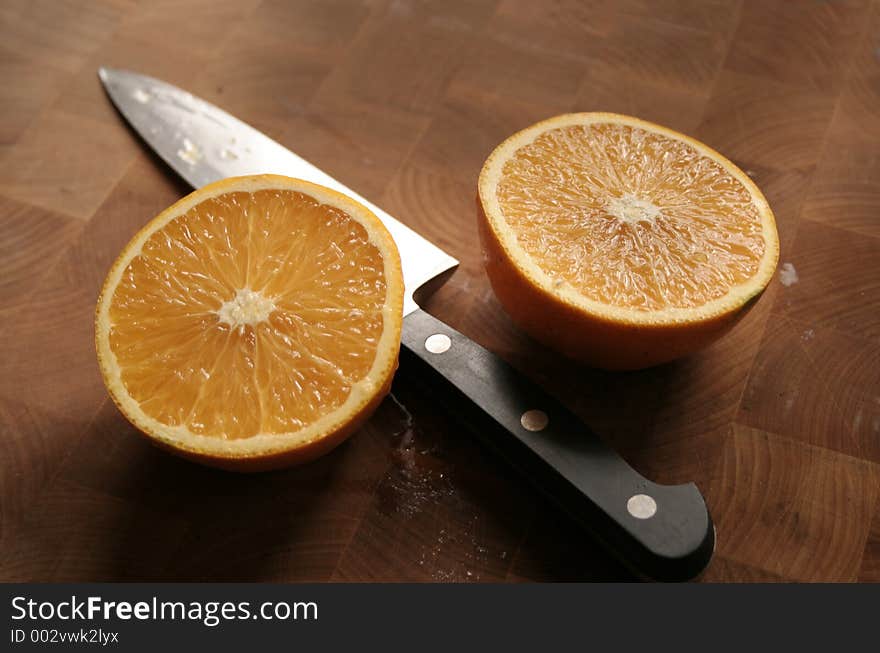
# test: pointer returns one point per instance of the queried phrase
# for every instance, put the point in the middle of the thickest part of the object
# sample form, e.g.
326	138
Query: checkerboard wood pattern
778	423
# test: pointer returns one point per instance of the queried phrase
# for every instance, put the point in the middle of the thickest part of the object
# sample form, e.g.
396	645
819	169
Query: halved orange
254	324
619	242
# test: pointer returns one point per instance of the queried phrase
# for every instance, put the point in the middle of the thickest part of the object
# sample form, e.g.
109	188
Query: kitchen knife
660	531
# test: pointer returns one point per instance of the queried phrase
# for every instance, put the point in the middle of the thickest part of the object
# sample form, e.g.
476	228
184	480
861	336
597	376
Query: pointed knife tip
106	73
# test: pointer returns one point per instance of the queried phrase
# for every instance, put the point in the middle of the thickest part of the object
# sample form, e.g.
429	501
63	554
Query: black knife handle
662	532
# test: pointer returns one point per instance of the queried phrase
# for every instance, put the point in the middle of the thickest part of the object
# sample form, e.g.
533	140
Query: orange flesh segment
631	218
292	315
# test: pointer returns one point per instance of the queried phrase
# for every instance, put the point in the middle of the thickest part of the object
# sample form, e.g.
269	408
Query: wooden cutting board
778	423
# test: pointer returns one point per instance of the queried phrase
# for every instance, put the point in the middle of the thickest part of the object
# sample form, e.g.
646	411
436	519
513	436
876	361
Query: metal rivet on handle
438	343
534	420
641	506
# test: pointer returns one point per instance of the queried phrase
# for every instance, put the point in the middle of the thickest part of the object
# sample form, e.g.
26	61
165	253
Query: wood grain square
281	59
440	208
662	52
51	340
778	494
858	105
147	188
761	122
718	17
564	28
722	570
845	192
673	404
691	459
401	59
555	549
865	61
28	87
59	34
115	459
443	209
431	518
199	27
838	286
798	41
65	163
817	386
315	508
107	457
464	16
272	81
360	146
47	356
31	240
506	71
223	549
443	540
605	89
84	96
869	572
467	128
68	534
32	448
786	190
322	27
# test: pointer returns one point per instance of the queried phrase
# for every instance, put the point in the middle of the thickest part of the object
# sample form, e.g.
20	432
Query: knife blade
659	531
203	143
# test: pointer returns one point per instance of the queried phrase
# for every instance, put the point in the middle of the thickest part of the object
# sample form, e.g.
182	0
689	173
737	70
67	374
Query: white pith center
631	209
247	307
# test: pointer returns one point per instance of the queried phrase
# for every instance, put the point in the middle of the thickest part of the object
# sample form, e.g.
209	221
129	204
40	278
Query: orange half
253	324
619	242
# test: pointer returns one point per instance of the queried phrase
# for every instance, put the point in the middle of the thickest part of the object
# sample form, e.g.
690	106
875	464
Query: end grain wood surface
778	423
